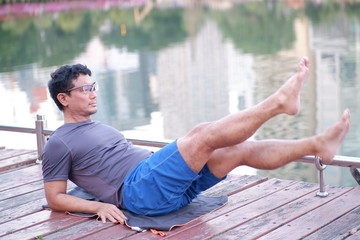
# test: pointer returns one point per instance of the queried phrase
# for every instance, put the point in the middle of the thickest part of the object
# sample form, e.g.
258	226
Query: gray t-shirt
94	156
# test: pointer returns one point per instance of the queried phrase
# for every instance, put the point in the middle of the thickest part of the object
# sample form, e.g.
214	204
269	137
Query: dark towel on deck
197	208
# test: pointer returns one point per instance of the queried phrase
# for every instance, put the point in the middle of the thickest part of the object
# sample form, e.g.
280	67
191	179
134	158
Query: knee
200	136
194	147
200	132
201	129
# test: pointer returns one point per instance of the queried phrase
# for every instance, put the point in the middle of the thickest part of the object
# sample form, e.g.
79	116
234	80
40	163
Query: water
165	67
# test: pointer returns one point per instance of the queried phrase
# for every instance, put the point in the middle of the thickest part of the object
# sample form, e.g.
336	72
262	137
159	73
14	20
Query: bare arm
58	200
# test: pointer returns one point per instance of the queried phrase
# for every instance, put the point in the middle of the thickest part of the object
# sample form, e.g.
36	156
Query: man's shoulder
70	127
66	132
54	142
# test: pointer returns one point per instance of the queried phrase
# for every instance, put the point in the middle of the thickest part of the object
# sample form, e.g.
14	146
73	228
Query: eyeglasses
86	88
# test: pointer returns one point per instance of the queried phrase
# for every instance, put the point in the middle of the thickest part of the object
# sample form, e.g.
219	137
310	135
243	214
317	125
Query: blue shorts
164	183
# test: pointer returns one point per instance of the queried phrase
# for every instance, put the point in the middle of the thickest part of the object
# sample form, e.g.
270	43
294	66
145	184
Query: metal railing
342	161
42	133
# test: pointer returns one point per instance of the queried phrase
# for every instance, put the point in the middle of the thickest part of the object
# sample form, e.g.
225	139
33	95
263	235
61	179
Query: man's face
80	105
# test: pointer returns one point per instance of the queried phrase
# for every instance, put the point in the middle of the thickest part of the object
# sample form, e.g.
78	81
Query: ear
63	99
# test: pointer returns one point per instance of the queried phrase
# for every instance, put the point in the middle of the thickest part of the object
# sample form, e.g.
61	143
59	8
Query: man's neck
75	119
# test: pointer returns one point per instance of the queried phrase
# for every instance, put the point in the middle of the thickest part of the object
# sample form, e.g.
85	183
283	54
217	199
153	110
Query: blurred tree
159	29
46	41
17	37
257	27
322	13
326	12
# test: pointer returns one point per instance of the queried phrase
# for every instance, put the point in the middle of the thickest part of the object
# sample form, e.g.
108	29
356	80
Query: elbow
55	193
54	203
53	206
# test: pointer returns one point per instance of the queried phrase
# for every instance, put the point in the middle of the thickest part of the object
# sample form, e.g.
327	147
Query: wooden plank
28	221
236	201
55	223
317	218
12	192
21	210
10	153
27	188
23	206
233	184
247	213
114	232
282	215
20	177
85	229
22	199
16	161
249	196
354	235
340	228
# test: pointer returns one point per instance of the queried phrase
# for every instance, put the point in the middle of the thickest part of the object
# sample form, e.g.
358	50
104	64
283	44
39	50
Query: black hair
62	80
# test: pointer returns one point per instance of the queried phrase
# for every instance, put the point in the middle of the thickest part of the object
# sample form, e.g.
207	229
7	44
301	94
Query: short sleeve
56	160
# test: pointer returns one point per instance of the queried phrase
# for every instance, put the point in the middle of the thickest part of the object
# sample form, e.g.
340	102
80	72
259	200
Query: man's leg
197	146
271	154
221	144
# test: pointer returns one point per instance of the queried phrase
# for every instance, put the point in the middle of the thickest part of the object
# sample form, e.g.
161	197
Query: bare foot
329	141
289	93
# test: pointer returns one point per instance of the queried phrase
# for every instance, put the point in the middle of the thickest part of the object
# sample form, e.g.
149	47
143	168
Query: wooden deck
257	208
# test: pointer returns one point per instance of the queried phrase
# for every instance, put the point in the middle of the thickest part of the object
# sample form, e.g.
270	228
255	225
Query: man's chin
93	111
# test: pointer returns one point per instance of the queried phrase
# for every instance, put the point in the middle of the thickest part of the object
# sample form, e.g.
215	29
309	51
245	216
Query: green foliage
52	41
257	28
327	13
353	10
161	28
44	41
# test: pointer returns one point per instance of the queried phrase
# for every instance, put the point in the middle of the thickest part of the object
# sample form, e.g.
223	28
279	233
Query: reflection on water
165	66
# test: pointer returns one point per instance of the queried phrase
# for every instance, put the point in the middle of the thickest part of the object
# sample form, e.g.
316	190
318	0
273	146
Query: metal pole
321	167
341	161
40	138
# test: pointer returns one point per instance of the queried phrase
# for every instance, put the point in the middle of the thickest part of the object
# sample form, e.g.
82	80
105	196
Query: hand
111	212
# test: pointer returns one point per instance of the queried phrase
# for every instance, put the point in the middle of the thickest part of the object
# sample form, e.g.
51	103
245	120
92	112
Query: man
99	159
